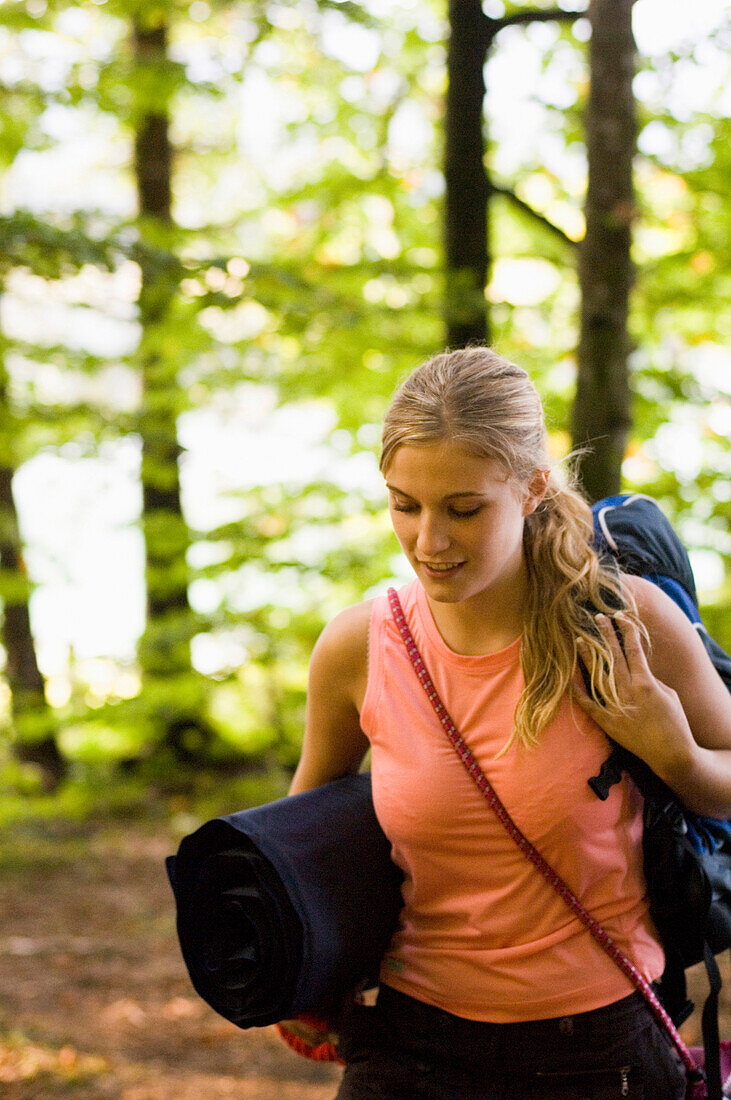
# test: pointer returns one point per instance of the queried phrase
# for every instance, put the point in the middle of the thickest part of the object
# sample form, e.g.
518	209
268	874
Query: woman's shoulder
351	623
343	645
654	606
672	637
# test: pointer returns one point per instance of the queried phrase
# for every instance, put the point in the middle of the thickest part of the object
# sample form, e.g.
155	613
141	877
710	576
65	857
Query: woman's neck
482	624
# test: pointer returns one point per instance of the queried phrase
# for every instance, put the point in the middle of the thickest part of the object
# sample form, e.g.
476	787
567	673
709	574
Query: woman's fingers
626	664
619	661
649	719
606	629
629	653
634	650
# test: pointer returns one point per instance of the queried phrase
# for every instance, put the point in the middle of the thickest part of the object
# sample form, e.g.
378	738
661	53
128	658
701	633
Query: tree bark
32	720
467	189
602	414
153	150
164	650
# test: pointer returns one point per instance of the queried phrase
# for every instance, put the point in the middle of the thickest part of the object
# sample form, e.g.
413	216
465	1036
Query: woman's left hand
654	725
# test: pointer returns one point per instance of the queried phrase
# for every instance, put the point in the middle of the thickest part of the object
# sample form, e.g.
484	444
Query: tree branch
521	204
492	27
538	15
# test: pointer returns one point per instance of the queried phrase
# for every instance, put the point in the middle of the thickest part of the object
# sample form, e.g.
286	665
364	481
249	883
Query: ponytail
568	585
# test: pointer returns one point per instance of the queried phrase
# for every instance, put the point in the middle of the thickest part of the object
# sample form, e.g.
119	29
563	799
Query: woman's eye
464	515
456	513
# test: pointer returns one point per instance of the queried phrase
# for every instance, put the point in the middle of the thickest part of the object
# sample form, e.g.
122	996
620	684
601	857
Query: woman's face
459	519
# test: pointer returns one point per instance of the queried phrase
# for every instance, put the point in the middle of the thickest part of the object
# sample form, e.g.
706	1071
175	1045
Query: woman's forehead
449	467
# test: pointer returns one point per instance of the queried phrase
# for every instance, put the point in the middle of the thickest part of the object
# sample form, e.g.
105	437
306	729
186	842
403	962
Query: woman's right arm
334	744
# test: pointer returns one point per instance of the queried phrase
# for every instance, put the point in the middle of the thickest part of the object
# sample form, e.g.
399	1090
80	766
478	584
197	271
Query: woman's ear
535	491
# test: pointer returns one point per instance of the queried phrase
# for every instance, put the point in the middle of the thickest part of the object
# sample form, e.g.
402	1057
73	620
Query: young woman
491	989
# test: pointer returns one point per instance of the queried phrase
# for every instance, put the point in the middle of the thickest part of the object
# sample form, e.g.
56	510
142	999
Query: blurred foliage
304	271
37	828
27	1063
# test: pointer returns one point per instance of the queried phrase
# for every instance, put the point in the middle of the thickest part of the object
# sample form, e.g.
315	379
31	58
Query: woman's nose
433	536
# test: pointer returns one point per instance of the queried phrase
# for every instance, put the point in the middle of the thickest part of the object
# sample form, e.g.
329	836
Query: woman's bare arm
334	744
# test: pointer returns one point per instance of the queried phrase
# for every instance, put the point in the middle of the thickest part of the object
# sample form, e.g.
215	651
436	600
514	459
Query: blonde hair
489	405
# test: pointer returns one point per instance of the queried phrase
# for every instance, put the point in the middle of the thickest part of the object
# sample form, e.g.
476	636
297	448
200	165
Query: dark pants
403	1049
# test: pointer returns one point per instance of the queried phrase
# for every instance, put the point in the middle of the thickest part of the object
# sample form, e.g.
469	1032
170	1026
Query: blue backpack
687	857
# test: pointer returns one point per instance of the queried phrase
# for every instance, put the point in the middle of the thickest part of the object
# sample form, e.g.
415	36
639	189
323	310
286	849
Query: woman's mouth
440	569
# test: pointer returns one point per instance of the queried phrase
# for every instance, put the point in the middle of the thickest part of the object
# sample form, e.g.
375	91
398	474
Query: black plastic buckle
610	773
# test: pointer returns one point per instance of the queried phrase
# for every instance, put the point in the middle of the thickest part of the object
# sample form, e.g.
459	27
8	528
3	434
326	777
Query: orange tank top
482	934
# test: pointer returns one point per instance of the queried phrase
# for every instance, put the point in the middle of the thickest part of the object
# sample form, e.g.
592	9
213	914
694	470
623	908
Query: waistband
404	1015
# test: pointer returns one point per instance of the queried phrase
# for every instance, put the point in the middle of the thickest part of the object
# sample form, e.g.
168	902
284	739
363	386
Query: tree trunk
32	719
165	647
153	150
467	190
602	414
468	187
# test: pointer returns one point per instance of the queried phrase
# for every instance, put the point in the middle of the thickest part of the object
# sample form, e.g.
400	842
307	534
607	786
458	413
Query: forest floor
95	1002
94	999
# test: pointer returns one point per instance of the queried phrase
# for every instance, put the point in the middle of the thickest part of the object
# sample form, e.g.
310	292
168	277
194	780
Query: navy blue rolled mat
288	907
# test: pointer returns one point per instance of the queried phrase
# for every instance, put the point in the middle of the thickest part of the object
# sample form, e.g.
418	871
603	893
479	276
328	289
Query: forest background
227	229
222	246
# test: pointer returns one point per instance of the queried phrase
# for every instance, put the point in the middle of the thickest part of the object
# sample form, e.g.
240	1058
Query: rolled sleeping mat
287	908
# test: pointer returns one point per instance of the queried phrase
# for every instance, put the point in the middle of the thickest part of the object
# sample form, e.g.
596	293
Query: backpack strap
709	1020
567	895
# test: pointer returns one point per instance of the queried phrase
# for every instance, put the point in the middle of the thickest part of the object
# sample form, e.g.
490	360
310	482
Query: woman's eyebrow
395	489
449	496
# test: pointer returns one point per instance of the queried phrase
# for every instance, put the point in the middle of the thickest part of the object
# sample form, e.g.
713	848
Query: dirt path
94	999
